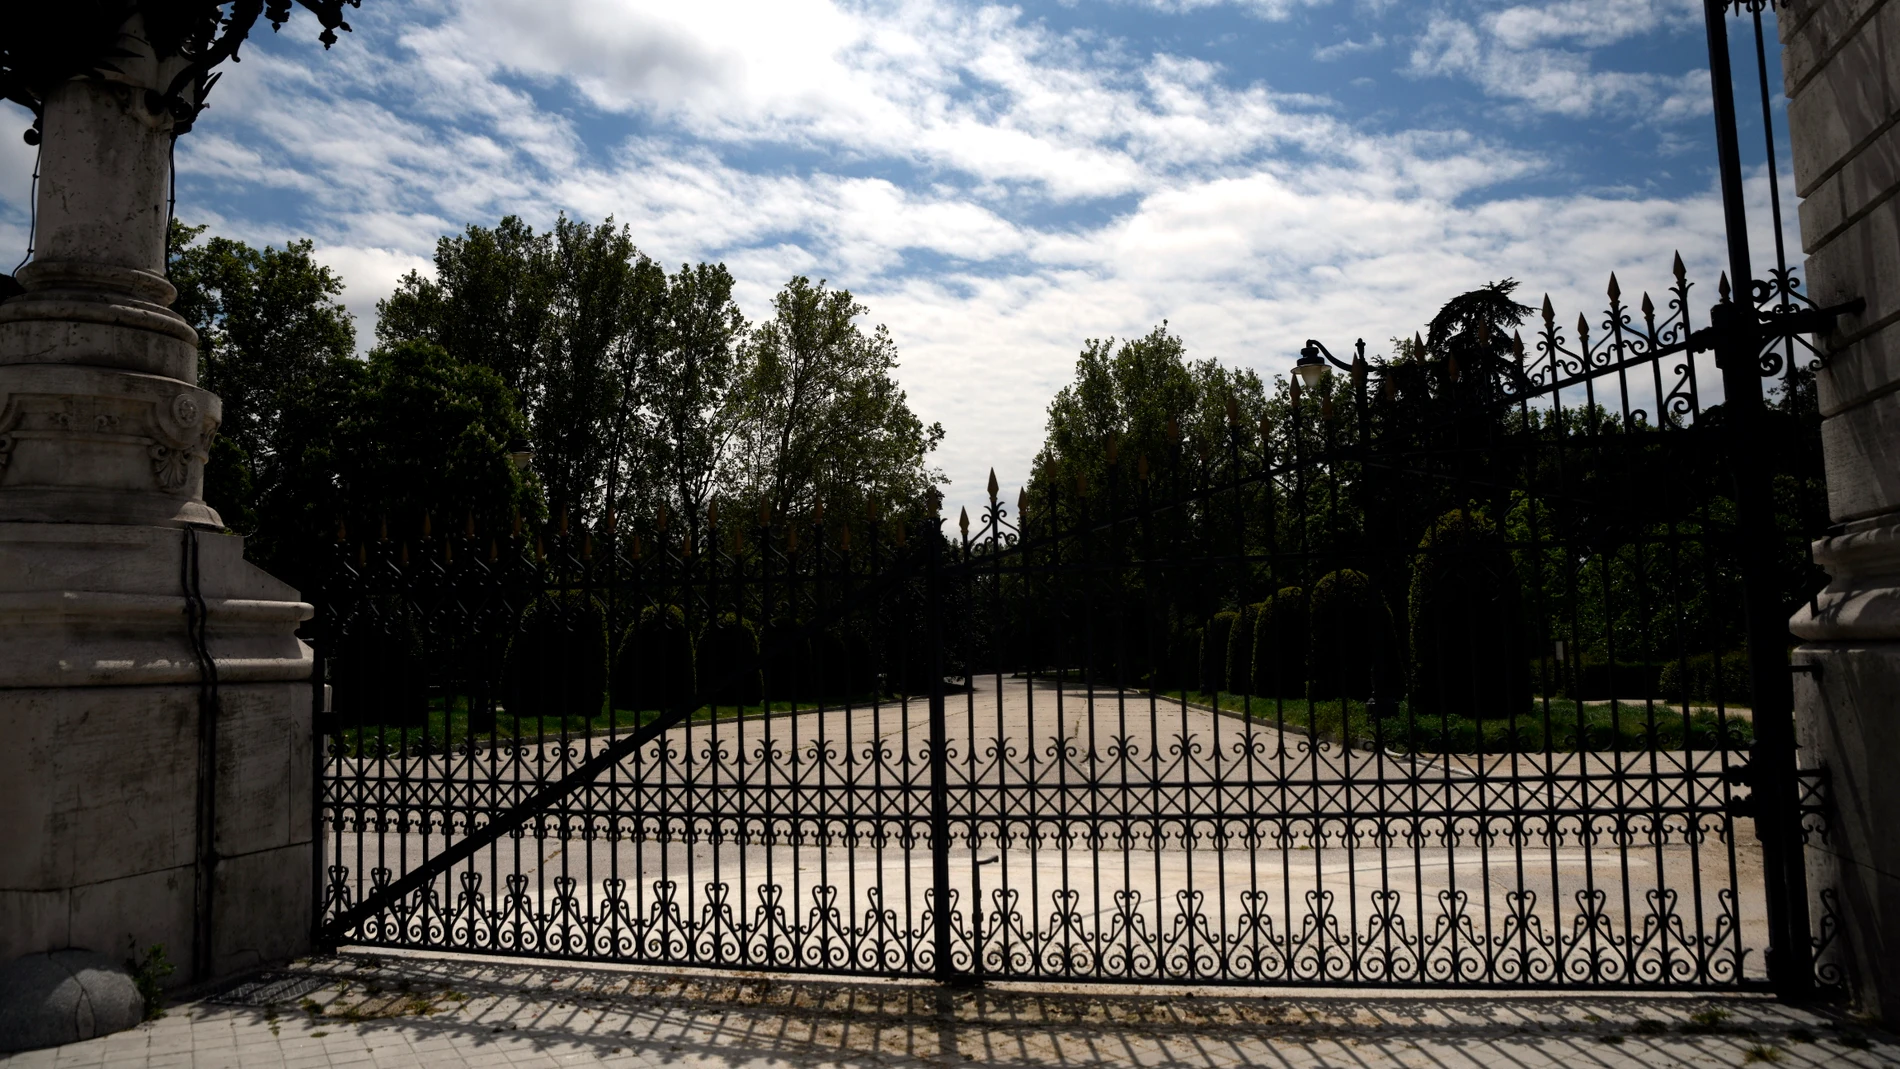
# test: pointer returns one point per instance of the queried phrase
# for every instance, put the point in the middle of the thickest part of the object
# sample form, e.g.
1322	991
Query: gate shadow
617	1013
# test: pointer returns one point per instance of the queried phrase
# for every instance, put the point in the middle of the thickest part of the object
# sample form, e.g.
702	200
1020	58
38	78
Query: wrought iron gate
1435	672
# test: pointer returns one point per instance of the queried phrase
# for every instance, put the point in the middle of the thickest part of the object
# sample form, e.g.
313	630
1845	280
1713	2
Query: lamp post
1311	369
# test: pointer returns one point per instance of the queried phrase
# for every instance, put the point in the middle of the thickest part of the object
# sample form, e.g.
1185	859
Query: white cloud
1348	47
995	190
1540	55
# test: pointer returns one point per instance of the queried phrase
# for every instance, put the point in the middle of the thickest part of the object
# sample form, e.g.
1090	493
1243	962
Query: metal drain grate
270	989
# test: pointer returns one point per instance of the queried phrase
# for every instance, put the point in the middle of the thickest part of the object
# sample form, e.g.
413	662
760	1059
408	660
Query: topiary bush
786	650
1469	654
1239	674
653	669
1214	641
1349	625
557	659
378	671
1279	641
729	661
1705	677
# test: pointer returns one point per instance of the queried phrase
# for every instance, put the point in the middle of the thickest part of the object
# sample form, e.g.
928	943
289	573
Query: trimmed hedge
729	661
1214	641
1239	674
1469	655
1349	621
1279	645
557	663
378	670
1705	677
653	668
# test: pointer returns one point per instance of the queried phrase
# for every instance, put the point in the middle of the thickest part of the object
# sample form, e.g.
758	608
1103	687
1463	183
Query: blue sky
997	183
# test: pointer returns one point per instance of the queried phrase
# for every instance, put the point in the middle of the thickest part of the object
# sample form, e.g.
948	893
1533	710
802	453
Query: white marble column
1842	64
103	440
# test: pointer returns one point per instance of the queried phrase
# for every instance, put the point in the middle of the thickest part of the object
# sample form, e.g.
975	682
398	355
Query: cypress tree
1279	645
557	660
1214	651
654	666
1469	650
729	661
1349	620
1239	674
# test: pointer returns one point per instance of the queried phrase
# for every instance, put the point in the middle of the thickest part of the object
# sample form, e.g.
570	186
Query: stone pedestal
103	699
1842	64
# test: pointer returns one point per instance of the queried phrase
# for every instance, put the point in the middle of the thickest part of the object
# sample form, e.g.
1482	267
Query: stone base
1848	719
64	996
99	786
99	730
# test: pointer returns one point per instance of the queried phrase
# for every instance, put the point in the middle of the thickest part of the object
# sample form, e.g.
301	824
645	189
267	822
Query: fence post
1775	790
939	762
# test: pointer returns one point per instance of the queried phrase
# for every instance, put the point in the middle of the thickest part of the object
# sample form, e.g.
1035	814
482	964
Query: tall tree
691	392
824	419
270	322
607	298
488	304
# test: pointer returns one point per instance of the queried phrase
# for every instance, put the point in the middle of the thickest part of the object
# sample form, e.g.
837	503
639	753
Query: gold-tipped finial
1326	408
1141	467
963	520
1174	428
1681	272
1114	447
468	528
1451	368
1517	343
992	484
426	525
342	531
712	514
844	538
1550	314
1722	288
1583	328
659	520
425	522
1233	412
1022	502
1648	306
1615	290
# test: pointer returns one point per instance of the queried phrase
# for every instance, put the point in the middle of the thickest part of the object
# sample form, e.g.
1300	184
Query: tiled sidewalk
372	1011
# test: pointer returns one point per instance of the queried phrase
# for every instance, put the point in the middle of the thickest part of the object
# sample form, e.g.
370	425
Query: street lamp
1311	366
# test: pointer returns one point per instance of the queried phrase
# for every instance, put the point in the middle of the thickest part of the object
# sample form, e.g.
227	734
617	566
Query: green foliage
428	436
1467	628
1279	642
489	303
653	668
149	972
1561	727
268	321
729	661
1349	622
271	330
1239	670
557	660
823	418
379	667
1214	640
1708	678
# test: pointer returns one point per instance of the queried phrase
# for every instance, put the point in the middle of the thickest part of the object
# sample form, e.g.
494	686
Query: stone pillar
103	440
1842	64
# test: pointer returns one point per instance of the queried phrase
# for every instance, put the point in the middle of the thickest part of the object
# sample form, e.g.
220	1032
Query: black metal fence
1459	669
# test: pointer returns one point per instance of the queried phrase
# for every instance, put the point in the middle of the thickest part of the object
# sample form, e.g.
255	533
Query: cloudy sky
997	183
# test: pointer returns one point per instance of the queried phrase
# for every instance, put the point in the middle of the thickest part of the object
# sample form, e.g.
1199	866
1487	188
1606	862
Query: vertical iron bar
939	763
1773	761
